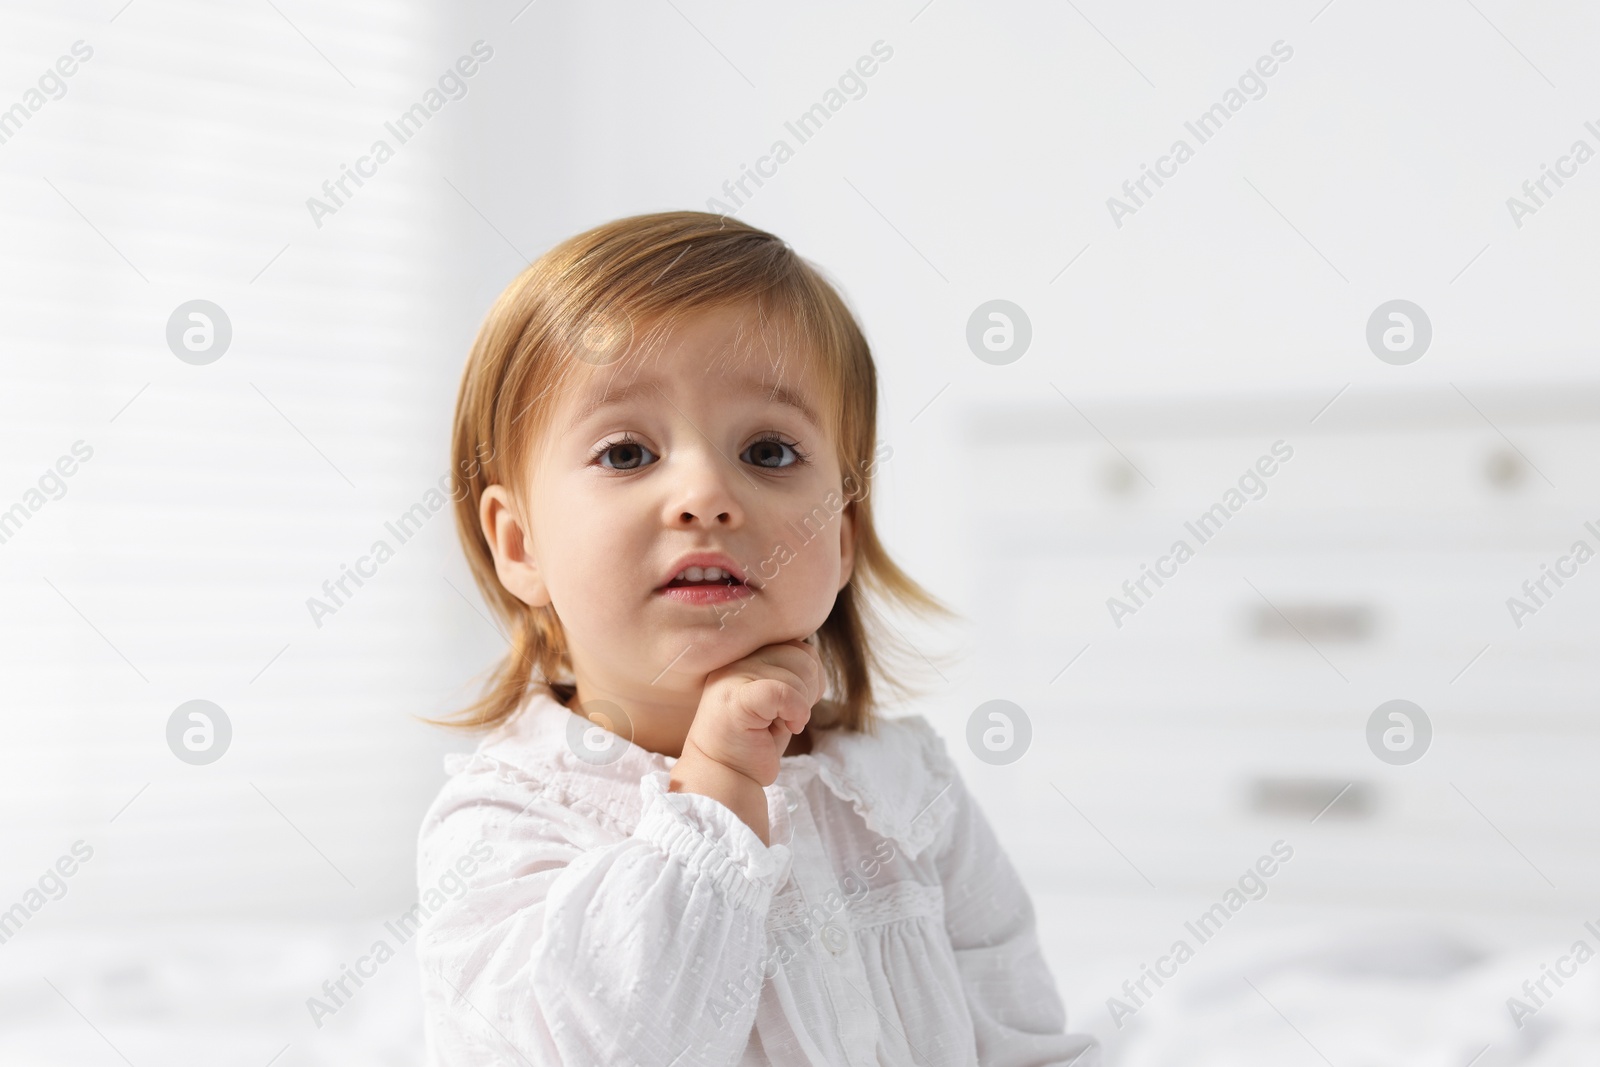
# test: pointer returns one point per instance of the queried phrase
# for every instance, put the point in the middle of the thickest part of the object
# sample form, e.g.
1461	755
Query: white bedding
1422	995
1363	998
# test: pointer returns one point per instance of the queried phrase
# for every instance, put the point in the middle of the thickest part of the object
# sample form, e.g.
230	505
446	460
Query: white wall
1222	316
218	498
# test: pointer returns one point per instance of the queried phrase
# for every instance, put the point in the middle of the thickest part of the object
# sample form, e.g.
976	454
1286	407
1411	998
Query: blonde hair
584	302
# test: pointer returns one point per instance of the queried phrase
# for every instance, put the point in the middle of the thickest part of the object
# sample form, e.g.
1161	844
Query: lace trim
914	819
914	814
738	862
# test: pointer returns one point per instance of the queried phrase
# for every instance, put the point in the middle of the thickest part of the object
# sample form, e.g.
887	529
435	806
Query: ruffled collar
899	781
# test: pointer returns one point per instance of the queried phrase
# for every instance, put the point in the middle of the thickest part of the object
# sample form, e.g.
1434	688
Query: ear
847	543
514	564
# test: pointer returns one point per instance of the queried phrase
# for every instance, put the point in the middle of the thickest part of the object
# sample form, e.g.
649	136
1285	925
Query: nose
702	493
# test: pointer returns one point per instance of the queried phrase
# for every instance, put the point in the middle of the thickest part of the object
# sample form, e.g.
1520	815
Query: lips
704	593
705	570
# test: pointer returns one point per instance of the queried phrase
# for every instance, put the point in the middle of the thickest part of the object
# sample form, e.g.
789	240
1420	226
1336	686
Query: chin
715	648
718	641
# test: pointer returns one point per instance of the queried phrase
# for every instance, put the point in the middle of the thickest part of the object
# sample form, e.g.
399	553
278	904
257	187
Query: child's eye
632	454
769	452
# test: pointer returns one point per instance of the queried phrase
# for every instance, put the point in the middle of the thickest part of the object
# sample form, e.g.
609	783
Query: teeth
702	574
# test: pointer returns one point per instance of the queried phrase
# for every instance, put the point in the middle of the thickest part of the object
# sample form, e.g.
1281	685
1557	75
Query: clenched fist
748	711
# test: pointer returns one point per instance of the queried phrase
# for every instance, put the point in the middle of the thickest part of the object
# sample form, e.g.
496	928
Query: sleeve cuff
709	837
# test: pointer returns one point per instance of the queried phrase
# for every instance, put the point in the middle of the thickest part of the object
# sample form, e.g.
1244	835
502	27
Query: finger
781	654
816	675
767	700
800	721
792	662
803	670
796	713
781	733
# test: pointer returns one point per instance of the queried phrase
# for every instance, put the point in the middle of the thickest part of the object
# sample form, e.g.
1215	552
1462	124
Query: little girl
688	838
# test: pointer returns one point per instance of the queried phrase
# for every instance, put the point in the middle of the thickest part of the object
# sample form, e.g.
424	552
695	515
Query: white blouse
576	912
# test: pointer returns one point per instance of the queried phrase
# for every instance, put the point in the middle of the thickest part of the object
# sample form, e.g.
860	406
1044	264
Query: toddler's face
694	451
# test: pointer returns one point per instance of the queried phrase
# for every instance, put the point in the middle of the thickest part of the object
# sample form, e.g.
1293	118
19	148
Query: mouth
706	580
695	577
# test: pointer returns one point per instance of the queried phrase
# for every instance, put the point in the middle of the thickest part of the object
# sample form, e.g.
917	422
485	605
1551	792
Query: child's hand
748	711
750	708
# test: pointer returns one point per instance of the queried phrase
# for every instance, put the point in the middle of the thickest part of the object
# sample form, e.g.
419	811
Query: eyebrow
775	392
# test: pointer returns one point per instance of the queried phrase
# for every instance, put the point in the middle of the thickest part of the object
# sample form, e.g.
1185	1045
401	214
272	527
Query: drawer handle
1318	622
1311	798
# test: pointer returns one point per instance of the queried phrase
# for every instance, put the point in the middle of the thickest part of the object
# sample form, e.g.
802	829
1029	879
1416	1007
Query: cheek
592	568
807	585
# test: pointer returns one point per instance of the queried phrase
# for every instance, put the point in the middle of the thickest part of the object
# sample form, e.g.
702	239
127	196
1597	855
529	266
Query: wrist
696	772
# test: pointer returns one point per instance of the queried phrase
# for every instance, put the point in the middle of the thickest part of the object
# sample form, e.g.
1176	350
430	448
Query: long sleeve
1017	1014
569	945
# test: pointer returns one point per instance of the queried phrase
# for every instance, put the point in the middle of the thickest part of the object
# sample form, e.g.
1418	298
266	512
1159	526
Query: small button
791	799
833	938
